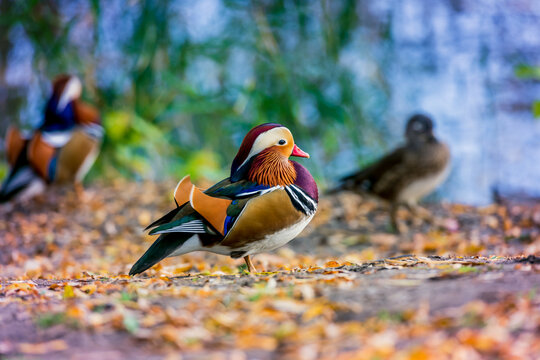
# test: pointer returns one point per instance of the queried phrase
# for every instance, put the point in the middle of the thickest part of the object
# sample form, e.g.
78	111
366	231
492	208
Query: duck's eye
282	142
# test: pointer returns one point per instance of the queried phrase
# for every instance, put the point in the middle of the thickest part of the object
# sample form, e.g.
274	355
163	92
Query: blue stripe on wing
229	220
233	213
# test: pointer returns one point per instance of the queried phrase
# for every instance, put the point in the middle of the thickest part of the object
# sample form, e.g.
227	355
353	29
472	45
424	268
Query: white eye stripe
72	90
266	140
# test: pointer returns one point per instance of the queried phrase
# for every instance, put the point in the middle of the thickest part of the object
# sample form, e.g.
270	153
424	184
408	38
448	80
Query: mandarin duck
265	203
408	173
61	150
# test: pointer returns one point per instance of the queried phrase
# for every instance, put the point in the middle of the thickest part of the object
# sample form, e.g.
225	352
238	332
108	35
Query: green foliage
3	170
536	108
175	101
48	320
131	324
530	72
468	269
527	72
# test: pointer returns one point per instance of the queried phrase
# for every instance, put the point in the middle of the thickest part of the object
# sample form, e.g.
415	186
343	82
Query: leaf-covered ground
346	289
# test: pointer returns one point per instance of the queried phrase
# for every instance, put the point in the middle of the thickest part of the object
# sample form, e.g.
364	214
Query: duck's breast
433	169
266	223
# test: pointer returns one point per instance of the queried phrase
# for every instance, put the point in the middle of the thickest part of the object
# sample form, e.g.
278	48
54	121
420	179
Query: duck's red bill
299	152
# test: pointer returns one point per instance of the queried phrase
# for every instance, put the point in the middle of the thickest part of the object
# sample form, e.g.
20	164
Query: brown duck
408	173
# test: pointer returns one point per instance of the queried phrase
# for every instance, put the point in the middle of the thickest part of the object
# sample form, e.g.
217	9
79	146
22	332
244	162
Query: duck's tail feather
163	247
19	178
353	182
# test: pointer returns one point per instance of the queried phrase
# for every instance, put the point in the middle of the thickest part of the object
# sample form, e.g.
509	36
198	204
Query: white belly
422	187
194	244
278	239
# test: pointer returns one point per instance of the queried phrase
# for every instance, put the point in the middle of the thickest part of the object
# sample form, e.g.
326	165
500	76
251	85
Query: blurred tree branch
168	93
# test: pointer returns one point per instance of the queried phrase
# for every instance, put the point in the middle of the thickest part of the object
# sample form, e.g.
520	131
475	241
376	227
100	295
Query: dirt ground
461	286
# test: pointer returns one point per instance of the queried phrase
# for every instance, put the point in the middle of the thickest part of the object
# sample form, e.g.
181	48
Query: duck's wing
236	192
168	217
19	178
76	157
270	220
183	219
178	226
377	176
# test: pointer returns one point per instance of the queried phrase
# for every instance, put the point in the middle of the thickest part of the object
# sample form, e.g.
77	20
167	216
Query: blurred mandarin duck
61	150
408	173
265	203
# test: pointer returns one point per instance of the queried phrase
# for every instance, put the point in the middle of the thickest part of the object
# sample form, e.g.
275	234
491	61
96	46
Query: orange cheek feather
282	150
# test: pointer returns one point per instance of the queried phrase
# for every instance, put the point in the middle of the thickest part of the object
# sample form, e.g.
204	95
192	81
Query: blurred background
180	82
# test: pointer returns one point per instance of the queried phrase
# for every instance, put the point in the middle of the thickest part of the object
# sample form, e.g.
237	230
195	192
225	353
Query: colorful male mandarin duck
266	202
408	173
61	150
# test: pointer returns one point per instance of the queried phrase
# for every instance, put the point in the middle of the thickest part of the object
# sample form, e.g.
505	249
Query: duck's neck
272	169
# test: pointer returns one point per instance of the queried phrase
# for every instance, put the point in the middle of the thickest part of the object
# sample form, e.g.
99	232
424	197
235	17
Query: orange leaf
42	348
332	263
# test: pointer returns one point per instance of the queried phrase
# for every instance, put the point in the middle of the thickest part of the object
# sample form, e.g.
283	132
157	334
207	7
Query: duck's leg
421	213
394	207
249	264
416	219
79	191
398	229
